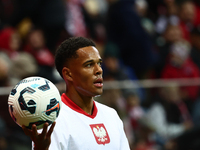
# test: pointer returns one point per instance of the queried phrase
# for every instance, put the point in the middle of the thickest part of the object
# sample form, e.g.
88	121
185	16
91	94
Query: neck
85	103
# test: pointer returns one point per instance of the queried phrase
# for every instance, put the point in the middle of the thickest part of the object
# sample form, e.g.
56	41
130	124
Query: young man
83	124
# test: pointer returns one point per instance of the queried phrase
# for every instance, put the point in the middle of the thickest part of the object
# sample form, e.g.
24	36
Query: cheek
82	78
86	79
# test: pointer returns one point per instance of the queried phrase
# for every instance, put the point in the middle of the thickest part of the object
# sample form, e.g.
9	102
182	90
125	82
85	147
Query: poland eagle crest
100	133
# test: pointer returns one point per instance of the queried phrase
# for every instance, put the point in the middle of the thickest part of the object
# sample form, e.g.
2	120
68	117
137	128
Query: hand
42	140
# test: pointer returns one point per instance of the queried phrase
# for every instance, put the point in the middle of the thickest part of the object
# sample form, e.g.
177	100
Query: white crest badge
100	133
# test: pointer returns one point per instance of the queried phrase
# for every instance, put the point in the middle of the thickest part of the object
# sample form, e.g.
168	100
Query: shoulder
156	106
103	106
104	109
156	110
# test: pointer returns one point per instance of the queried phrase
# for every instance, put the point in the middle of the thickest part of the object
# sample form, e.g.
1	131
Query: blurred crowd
137	39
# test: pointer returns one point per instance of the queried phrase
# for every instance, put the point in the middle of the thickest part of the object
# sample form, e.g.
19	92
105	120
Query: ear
66	74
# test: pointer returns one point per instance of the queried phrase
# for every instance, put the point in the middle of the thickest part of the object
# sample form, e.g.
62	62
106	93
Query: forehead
89	52
85	54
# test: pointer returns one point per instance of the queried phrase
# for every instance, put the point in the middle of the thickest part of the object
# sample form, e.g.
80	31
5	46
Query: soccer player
83	124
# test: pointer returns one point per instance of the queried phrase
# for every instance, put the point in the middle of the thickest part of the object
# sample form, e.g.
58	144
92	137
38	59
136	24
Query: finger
26	130
34	130
44	131
51	129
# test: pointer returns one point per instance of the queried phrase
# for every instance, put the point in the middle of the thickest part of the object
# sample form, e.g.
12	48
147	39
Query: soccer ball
34	100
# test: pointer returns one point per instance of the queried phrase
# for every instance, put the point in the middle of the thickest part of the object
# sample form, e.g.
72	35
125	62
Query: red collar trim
76	108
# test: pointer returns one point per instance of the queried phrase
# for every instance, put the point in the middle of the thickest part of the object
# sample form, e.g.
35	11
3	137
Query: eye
100	63
88	65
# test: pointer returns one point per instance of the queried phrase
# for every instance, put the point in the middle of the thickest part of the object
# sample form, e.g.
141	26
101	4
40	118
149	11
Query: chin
98	93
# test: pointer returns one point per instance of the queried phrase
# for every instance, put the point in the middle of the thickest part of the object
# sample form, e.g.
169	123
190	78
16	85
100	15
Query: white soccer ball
34	100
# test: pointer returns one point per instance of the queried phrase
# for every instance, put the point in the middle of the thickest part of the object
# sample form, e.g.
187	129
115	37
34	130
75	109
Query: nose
98	70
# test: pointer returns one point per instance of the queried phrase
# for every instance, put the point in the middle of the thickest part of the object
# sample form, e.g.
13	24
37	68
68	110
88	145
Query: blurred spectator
143	132
75	21
36	46
10	41
96	7
187	16
168	115
171	35
134	113
134	108
124	28
167	14
22	63
189	23
86	18
180	65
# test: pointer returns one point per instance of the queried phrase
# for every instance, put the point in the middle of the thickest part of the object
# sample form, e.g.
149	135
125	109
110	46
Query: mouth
98	83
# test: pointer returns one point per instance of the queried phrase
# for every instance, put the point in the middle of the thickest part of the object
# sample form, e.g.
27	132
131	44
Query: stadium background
150	51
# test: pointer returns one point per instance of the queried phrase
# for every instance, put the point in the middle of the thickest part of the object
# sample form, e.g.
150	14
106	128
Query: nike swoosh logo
56	106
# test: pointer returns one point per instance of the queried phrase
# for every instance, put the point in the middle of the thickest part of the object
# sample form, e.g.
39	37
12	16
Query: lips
98	82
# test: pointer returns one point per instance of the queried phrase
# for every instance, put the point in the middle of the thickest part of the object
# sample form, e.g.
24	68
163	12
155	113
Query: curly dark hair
67	50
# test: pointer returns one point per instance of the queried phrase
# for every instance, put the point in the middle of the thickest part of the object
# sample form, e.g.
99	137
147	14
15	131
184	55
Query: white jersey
77	130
